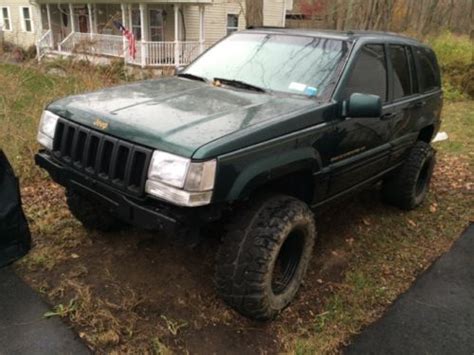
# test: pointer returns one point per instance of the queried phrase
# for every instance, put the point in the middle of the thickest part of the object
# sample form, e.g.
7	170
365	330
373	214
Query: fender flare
263	171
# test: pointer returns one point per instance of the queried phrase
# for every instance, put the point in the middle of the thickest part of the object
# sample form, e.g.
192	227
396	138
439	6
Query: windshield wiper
192	77
240	84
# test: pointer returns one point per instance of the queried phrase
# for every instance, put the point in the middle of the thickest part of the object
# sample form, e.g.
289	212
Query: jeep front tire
92	216
264	256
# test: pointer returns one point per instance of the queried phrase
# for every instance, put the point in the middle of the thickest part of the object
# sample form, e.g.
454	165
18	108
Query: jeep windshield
290	64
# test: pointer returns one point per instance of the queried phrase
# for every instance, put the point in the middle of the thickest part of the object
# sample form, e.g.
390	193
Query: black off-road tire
408	186
93	216
274	230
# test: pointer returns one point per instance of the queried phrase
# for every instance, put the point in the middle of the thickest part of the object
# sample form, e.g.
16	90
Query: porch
165	34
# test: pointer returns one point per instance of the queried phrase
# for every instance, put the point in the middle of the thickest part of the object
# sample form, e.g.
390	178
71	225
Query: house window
136	24
232	23
26	21
5	22
156	25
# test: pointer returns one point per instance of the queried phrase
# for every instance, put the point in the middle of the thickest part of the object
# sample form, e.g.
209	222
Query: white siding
215	19
17	35
273	13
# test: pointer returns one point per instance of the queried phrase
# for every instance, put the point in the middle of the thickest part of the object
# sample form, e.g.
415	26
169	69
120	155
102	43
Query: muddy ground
143	292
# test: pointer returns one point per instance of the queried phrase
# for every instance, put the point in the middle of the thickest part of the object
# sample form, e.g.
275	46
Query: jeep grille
108	159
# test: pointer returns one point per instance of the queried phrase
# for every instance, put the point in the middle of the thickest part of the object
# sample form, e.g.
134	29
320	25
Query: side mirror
363	105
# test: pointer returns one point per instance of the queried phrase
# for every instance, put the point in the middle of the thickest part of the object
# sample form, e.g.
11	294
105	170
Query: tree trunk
429	16
254	13
472	23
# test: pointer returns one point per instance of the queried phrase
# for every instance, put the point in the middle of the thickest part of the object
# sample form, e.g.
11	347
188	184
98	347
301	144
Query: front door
83	20
360	146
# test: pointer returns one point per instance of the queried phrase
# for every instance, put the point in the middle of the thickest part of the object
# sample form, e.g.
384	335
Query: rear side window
369	74
428	72
401	71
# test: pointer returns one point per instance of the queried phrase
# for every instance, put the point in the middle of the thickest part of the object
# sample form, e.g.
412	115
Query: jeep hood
176	115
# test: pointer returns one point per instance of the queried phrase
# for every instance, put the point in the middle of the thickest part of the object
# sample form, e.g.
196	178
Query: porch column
201	28
130	17
123	8
91	25
48	13
176	35
143	24
71	17
94	18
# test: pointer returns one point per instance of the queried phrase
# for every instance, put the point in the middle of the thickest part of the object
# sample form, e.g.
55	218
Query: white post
201	28
176	35
48	12
130	17
71	15
123	8
143	31
91	26
94	18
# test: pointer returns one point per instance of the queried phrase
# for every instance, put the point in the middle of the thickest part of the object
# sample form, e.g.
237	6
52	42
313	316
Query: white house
167	32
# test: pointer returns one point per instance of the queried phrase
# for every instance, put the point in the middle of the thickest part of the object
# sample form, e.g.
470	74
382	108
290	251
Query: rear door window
428	72
369	73
401	72
413	73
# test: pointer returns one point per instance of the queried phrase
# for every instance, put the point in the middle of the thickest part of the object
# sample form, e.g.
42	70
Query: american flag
132	46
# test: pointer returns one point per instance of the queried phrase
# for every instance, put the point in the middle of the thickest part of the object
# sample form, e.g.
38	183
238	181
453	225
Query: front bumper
146	212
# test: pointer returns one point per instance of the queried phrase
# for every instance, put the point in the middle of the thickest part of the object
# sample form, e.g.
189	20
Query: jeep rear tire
408	186
92	216
264	256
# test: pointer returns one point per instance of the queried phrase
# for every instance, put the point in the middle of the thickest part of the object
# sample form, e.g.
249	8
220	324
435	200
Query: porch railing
150	54
188	51
44	44
93	43
156	53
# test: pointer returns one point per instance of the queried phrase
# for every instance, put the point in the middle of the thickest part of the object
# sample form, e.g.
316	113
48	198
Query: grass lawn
141	292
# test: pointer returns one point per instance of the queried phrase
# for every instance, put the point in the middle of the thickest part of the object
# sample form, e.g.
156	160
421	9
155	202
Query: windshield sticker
297	86
311	91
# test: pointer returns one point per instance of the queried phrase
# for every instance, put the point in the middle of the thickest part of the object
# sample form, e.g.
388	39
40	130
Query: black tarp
15	239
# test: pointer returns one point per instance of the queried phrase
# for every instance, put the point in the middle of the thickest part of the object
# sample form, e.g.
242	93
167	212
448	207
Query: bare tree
416	16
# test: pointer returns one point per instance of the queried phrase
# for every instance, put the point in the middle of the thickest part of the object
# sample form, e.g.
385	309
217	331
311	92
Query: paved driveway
435	316
24	330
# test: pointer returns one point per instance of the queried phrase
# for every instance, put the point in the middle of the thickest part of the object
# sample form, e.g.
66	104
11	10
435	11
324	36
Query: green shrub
455	55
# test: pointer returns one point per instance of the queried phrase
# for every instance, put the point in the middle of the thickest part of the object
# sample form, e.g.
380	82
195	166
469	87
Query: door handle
419	104
388	115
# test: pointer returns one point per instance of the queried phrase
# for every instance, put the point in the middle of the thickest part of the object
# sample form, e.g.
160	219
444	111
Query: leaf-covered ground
142	292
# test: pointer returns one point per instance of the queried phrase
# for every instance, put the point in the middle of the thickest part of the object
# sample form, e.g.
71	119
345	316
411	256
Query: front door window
369	73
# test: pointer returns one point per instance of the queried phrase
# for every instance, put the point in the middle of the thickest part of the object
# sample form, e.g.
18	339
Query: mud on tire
92	216
407	187
264	256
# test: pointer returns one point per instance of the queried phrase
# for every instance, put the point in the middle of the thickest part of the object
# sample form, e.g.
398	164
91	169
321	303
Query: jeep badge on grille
101	124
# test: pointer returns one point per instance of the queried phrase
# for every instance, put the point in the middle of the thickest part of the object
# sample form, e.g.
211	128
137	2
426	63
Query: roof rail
264	28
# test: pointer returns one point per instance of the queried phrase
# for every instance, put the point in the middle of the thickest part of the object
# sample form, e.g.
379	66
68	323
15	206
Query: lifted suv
262	128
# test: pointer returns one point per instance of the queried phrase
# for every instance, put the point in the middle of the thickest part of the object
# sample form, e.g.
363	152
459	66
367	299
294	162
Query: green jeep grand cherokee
263	127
